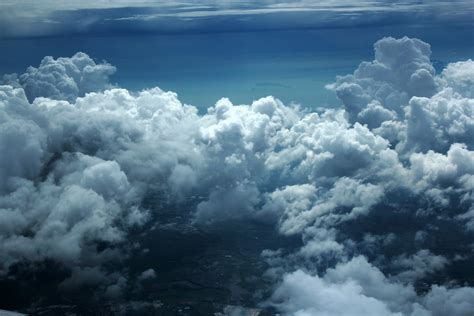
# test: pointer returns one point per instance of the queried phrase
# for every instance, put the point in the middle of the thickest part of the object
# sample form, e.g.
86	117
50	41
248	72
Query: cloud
424	161
400	98
305	295
436	122
455	301
418	265
358	288
228	204
459	76
401	69
65	220
65	78
49	18
79	159
147	275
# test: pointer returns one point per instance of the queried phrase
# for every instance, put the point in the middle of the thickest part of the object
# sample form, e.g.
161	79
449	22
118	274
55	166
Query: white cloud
436	122
304	294
460	77
401	69
428	124
65	78
358	288
76	166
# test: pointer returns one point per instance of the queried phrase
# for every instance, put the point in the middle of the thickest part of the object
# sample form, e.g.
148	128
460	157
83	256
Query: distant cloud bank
52	17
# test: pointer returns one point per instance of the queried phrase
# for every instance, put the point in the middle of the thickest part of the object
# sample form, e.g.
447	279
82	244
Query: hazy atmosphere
307	158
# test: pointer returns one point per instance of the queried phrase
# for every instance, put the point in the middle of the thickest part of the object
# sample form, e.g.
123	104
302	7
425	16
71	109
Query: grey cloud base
78	158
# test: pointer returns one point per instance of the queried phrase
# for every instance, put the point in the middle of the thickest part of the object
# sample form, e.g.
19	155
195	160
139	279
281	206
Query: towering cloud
65	78
401	69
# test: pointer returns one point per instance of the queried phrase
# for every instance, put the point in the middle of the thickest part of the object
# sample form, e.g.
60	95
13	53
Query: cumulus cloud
78	161
65	78
399	96
65	220
306	295
426	123
358	288
460	77
437	122
401	69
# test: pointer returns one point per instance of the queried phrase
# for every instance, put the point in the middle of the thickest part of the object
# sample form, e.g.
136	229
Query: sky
232	157
287	49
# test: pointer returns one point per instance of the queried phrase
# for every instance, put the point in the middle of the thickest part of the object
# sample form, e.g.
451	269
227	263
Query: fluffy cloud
358	288
441	301
306	295
426	123
65	78
401	69
77	164
22	142
460	77
436	122
65	216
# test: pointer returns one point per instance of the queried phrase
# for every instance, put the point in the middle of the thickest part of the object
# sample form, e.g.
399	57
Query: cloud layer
78	158
54	17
